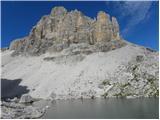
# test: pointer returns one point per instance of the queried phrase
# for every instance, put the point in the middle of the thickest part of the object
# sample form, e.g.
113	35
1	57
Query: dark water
104	108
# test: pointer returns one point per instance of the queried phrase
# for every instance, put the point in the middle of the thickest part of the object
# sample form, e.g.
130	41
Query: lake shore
110	108
16	101
49	109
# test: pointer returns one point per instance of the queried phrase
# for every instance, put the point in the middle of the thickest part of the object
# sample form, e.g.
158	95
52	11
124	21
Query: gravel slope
76	76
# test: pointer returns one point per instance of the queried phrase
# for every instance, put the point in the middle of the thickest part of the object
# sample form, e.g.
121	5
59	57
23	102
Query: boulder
15	99
139	58
26	98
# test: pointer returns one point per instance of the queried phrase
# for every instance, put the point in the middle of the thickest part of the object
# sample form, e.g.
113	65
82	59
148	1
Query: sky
138	20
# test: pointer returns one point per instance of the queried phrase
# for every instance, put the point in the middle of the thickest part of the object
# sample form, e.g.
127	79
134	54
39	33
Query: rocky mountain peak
103	18
61	28
58	11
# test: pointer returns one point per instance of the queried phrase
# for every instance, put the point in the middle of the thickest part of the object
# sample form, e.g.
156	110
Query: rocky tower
61	28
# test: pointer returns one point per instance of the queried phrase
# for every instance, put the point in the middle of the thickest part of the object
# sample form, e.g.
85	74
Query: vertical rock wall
62	28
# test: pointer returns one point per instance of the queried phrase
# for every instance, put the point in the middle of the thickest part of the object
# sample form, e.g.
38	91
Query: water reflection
104	108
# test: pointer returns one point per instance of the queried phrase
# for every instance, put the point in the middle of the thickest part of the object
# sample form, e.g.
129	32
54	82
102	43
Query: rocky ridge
60	29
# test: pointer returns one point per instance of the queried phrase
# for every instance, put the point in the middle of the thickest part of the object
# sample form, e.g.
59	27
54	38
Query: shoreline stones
11	110
15	110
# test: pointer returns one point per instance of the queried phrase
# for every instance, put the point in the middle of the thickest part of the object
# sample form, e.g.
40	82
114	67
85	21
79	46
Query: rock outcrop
61	28
13	110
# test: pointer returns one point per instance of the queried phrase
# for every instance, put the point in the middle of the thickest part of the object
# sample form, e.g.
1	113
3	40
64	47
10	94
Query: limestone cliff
61	28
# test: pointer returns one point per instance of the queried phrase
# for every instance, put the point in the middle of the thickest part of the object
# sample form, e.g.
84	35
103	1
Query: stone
15	99
26	98
32	112
53	95
139	58
131	97
47	107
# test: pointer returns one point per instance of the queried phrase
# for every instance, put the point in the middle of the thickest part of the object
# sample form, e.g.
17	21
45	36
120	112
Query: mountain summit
61	28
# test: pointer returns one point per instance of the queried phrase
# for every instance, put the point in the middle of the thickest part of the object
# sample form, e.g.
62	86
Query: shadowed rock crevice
11	88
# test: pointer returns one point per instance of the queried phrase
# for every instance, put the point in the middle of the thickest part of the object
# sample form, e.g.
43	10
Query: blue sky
138	20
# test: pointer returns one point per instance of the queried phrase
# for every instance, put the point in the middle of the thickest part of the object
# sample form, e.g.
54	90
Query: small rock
52	95
90	82
92	97
47	106
139	58
15	99
100	86
130	97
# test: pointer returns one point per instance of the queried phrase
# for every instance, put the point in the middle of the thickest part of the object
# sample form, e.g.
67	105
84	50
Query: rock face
58	30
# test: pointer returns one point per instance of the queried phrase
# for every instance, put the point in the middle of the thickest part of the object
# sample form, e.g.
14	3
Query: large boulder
26	98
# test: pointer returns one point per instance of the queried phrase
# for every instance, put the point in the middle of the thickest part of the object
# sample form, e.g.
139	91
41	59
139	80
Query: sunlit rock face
103	31
115	28
61	28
